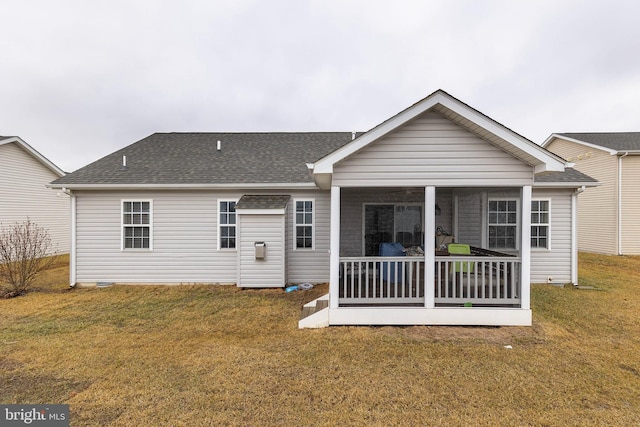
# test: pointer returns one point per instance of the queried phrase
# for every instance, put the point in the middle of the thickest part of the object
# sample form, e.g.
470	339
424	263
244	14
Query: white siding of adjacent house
268	272
555	262
184	239
431	150
23	194
597	211
630	216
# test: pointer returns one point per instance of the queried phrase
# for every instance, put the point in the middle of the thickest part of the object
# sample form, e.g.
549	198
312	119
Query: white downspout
72	249
619	204
574	235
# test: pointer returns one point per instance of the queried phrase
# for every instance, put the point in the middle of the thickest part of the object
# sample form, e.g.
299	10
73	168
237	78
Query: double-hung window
136	224
227	224
540	224
503	224
304	219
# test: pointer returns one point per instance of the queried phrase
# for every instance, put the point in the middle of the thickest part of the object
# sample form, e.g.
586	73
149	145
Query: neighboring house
607	215
24	175
269	209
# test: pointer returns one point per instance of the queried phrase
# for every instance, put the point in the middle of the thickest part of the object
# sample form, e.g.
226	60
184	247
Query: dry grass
198	355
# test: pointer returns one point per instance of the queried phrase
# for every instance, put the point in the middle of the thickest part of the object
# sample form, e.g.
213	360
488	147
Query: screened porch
385	260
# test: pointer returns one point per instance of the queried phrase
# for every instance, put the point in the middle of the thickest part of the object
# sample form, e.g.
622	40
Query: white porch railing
381	280
459	280
470	280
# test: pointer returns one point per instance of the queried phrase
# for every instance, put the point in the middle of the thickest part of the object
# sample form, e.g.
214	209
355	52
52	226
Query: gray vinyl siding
597	211
23	194
630	205
267	272
554	262
184	239
431	150
310	265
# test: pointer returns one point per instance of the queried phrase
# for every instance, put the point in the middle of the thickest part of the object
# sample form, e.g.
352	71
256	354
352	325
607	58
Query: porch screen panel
392	223
378	227
408	225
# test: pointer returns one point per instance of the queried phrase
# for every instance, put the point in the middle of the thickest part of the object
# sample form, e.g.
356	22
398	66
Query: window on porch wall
503	224
392	223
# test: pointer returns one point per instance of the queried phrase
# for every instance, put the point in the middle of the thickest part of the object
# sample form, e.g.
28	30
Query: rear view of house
371	213
24	176
608	214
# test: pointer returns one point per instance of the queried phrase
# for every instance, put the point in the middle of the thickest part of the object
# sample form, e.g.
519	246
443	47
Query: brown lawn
210	355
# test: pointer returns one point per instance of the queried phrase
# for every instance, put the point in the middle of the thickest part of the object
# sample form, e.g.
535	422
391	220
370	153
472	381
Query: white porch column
429	245
525	248
334	249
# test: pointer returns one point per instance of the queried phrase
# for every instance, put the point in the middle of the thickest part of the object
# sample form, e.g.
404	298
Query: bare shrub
25	252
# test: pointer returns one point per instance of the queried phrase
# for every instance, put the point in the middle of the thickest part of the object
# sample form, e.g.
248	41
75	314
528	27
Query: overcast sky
80	79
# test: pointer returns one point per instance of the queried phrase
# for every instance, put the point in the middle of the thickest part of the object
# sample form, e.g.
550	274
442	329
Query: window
136	224
392	223
540	224
227	224
503	224
304	224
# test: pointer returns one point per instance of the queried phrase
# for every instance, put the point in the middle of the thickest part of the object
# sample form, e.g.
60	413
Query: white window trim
313	224
123	225
394	204
548	248
518	224
220	248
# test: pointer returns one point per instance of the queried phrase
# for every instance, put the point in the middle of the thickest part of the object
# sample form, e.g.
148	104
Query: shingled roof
619	141
243	159
569	176
193	158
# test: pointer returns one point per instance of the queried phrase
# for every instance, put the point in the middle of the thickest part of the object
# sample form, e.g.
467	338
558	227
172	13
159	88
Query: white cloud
81	79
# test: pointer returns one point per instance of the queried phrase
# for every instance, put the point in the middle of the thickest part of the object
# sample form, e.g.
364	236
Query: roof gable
460	113
33	152
612	142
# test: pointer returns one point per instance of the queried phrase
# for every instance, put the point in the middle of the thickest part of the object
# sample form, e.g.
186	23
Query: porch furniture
460	249
391	272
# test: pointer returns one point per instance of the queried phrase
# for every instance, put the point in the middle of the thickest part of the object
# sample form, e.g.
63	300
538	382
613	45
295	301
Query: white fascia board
566	184
550	161
280	211
29	149
577	141
242	186
325	165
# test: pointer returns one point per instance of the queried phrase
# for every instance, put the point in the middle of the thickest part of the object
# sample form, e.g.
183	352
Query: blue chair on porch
391	271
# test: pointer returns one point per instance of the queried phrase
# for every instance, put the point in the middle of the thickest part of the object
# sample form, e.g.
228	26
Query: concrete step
315	314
